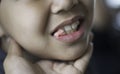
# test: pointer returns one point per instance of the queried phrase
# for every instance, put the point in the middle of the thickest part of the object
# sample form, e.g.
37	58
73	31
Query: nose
62	5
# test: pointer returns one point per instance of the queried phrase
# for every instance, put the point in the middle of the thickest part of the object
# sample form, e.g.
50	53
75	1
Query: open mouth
70	30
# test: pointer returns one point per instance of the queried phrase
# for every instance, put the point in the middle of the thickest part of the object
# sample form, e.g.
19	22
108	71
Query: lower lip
73	36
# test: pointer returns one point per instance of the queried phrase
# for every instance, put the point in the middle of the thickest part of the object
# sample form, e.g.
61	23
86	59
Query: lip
73	36
67	22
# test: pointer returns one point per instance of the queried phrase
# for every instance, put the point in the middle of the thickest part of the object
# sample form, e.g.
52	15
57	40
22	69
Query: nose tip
62	5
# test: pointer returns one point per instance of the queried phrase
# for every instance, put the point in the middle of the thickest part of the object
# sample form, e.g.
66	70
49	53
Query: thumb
13	48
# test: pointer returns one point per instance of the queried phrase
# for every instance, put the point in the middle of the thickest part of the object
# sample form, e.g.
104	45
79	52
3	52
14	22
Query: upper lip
68	22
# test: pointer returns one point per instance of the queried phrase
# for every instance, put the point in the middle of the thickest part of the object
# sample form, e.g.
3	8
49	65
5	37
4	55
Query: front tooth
68	29
75	25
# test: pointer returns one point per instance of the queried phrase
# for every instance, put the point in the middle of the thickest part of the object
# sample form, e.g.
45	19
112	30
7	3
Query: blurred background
106	29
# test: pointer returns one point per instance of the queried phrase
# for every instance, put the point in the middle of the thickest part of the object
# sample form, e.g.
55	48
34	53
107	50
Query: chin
68	57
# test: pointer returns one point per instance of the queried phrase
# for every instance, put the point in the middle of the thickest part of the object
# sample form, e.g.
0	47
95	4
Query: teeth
67	29
71	28
75	25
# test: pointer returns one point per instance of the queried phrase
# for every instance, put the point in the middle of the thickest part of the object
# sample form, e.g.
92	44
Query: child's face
56	29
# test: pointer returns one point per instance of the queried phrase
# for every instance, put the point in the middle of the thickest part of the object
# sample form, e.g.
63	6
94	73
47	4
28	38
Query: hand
73	67
15	63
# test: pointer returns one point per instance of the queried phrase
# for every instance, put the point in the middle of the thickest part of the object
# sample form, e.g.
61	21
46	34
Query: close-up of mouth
70	30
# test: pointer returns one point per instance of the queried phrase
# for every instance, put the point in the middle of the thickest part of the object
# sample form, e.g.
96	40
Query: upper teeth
67	29
71	28
75	25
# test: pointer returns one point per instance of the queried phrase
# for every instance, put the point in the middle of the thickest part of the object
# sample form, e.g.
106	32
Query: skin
27	24
15	63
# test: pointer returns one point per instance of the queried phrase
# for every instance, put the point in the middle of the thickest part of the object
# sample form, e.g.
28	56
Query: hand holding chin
15	63
67	67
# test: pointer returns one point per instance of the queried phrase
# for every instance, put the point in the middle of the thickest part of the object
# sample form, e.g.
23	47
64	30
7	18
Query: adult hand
15	63
72	67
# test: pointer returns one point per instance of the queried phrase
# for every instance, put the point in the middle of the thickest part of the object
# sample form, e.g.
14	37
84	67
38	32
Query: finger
82	63
58	67
47	66
14	49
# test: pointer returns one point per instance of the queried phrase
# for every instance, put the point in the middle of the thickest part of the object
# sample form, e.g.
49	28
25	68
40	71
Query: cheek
23	19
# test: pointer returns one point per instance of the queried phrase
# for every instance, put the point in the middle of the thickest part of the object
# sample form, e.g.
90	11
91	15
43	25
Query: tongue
71	37
59	33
